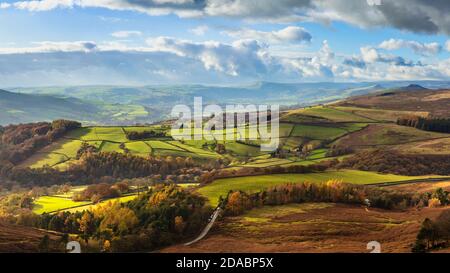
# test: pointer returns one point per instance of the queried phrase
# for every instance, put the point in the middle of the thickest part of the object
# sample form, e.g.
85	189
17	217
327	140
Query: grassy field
221	187
52	203
243	149
63	202
317	132
328	113
108	139
139	147
378	114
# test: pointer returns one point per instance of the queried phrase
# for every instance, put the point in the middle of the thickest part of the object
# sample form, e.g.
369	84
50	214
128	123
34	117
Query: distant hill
24	108
413	87
409	98
21	108
146	104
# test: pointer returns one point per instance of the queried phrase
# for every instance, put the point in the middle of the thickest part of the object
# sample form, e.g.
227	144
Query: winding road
207	228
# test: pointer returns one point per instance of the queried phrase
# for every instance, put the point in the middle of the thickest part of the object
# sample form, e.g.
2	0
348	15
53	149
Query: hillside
22	108
355	141
435	102
25	108
19	239
146	104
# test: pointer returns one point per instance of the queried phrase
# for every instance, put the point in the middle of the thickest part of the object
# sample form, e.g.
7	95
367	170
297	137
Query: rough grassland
313	228
378	114
386	134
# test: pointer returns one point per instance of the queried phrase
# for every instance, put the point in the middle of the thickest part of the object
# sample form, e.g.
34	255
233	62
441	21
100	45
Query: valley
337	145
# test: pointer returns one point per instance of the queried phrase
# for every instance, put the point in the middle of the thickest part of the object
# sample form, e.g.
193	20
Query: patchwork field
113	139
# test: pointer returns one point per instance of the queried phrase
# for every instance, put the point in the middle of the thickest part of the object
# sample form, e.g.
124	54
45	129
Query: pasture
221	187
327	113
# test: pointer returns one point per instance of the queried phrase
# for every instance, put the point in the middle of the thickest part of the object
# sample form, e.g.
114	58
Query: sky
227	42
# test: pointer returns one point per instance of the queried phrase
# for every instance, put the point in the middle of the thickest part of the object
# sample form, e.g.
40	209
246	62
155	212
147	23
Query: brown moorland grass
14	239
386	134
314	228
436	102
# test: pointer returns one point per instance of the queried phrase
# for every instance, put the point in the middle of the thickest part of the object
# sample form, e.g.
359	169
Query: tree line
441	125
237	202
388	161
94	166
433	234
162	216
18	142
140	135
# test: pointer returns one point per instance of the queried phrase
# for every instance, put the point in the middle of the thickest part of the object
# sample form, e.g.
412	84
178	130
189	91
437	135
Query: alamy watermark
237	122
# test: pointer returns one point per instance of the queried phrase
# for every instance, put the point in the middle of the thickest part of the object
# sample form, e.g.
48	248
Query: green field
328	113
108	139
163	145
378	114
111	147
221	187
139	147
49	204
52	203
317	132
240	149
63	202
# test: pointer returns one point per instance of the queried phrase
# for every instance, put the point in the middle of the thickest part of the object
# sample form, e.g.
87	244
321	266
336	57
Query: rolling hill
126	105
24	108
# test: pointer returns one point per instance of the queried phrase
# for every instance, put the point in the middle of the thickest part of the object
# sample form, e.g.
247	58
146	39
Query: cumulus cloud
240	57
425	49
290	34
319	66
372	55
413	15
126	33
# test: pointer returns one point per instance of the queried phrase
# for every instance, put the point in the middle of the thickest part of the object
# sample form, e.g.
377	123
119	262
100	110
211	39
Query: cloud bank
173	60
420	16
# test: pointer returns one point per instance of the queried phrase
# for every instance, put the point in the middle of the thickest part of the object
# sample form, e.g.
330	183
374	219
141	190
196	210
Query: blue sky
70	42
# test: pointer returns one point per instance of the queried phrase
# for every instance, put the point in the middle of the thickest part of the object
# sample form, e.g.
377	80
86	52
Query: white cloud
425	49
4	5
447	45
126	33
170	60
241	57
48	46
200	30
422	16
290	34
